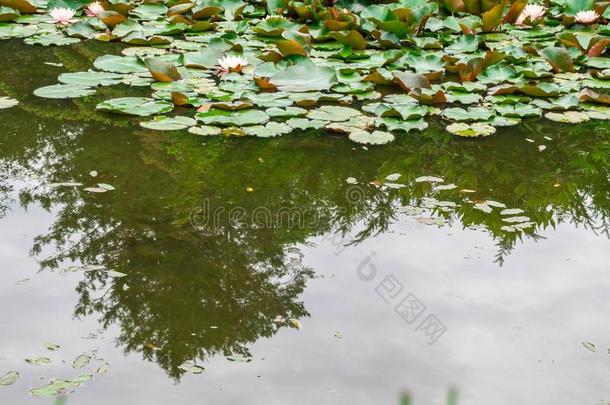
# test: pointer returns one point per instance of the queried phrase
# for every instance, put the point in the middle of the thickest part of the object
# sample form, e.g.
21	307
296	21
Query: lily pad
138	106
375	138
191	368
7	102
232	118
471	130
39	361
63	91
304	76
9	378
163	123
90	78
333	113
81	361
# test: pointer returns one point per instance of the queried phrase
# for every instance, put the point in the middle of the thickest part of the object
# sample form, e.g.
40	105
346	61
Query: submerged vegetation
368	70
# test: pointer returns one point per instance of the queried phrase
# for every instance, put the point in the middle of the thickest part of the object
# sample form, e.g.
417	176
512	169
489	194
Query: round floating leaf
518	110
274	26
425	63
63	91
469	114
304	76
205	131
464	44
162	123
471	130
90	78
232	118
495	74
139	106
598	62
7	102
81	361
120	64
51	39
52	346
568	117
191	368
304	123
333	113
375	138
9	378
269	130
395	124
286	112
150	11
39	361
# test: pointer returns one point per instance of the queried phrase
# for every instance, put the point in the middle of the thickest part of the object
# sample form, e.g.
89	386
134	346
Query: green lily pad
120	64
304	76
395	124
163	123
138	106
39	361
375	138
9	378
205	130
55	388
518	110
52	347
90	78
232	118
304	123
333	113
468	114
7	102
49	39
63	91
471	130
81	361
568	117
191	368
287	112
270	130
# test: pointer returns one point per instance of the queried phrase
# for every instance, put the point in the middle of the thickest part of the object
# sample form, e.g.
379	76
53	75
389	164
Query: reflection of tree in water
241	277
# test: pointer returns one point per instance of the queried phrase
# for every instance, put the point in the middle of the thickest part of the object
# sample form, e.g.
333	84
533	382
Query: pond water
277	266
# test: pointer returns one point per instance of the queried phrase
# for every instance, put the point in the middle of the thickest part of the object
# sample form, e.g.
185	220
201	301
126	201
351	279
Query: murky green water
262	250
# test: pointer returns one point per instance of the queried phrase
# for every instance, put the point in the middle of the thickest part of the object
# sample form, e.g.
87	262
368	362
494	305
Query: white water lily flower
586	17
228	64
533	11
62	15
94	9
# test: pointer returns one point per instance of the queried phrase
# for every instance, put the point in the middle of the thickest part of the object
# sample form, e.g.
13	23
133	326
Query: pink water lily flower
62	15
534	11
94	9
228	64
586	17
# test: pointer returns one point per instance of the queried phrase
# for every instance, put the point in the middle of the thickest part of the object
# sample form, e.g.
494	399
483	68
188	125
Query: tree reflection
191	294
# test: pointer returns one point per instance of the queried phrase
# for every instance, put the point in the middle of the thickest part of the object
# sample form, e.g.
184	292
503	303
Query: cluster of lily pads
55	386
365	69
433	211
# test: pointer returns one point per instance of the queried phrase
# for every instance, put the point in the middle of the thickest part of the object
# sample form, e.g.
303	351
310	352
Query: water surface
228	242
